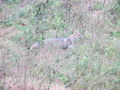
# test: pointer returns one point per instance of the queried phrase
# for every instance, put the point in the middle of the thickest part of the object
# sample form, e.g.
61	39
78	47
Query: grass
92	64
12	1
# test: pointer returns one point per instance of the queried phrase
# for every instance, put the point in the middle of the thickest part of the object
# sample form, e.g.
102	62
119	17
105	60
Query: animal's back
62	43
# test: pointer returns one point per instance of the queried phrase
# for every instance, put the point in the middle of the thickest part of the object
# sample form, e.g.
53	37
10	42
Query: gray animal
61	43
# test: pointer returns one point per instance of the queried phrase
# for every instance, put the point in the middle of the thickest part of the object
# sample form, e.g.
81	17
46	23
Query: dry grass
92	64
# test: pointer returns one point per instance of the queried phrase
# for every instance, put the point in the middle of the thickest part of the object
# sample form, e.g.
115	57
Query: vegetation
93	63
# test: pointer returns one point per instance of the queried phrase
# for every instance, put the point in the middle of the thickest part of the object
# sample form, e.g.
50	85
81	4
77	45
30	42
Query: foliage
91	64
99	6
42	17
117	6
115	34
12	1
48	16
0	10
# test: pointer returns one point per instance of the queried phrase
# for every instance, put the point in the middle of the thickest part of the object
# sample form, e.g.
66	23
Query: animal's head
75	35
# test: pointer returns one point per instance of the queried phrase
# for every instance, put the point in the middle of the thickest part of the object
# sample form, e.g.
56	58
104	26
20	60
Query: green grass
12	1
91	64
99	6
